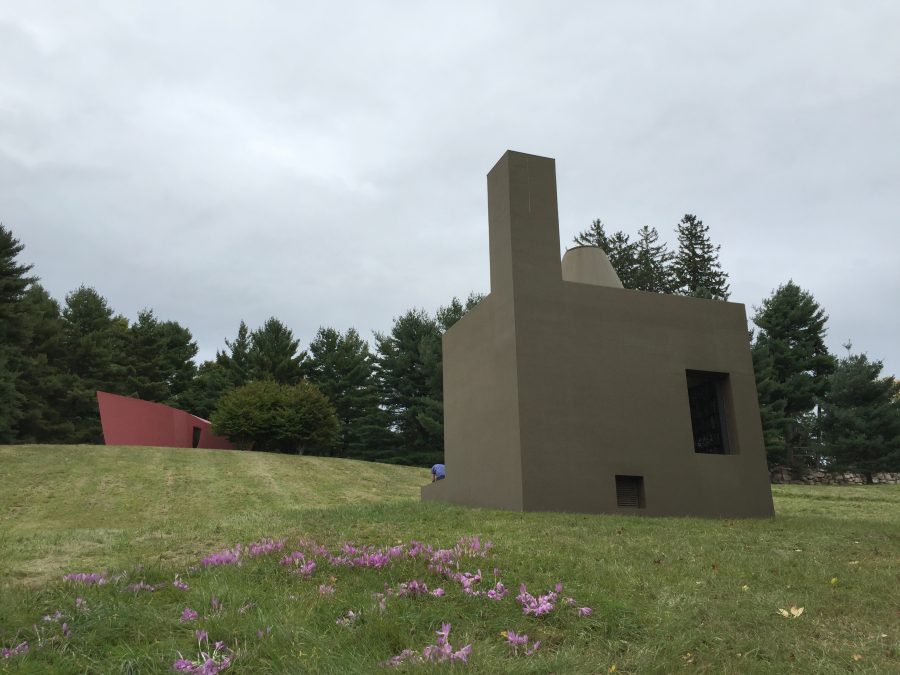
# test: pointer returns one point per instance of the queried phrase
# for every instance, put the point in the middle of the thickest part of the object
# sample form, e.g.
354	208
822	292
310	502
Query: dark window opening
630	492
706	394
196	441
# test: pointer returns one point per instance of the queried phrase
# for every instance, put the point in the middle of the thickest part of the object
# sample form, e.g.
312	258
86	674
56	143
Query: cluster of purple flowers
546	603
413	588
9	652
439	652
517	640
447	563
467	581
366	556
540	605
229	556
207	662
57	617
301	565
86	578
264	546
347	619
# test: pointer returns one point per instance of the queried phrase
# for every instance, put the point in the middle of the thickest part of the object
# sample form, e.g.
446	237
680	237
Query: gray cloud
220	161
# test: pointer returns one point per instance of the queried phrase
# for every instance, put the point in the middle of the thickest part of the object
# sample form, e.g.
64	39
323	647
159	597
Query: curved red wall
131	421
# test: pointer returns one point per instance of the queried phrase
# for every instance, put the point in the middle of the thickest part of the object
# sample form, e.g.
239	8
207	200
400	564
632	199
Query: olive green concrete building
565	392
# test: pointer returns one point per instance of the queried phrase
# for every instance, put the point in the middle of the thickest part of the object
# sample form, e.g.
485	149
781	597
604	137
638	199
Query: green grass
669	595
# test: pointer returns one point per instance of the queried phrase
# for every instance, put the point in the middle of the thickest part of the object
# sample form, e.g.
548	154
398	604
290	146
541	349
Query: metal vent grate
629	492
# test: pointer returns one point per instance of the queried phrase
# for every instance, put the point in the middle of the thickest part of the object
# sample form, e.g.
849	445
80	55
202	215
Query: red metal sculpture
131	421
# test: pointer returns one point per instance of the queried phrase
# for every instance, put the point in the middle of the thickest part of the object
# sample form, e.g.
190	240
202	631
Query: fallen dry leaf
791	613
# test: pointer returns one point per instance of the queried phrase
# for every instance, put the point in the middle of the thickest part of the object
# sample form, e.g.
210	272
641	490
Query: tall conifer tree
653	263
696	268
14	280
792	366
96	345
274	355
343	368
45	383
861	418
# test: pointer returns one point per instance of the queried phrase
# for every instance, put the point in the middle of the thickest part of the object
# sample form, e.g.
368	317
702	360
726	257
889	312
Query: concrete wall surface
554	388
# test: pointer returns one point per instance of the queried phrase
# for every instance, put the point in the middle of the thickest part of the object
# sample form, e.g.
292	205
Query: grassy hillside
666	594
65	506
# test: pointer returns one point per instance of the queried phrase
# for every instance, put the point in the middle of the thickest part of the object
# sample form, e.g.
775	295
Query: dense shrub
265	415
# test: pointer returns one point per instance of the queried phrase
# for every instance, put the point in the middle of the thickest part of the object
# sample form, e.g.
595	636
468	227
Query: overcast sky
219	161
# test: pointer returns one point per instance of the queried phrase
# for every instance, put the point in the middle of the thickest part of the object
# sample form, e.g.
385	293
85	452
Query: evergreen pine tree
147	381
236	360
178	350
14	280
409	368
653	271
861	418
455	310
408	371
161	356
96	346
792	364
45	382
595	235
342	367
273	354
211	381
696	268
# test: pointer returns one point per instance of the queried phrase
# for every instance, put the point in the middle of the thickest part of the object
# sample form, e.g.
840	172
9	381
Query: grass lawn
674	594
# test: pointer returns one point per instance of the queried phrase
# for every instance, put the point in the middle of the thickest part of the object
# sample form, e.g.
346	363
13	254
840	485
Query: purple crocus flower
188	615
86	578
534	647
227	557
9	652
462	654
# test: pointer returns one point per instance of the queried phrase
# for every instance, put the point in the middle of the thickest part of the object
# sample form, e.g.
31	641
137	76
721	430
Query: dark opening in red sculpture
131	421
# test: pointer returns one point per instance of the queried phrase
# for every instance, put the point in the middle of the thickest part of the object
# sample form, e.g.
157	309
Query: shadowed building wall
583	396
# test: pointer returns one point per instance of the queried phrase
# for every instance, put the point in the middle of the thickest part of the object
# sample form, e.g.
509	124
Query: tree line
340	396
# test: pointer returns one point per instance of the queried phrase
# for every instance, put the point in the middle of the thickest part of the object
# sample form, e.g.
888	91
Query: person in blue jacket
437	472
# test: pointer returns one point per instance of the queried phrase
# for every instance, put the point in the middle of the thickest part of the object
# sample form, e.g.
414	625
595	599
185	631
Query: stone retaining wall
820	477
